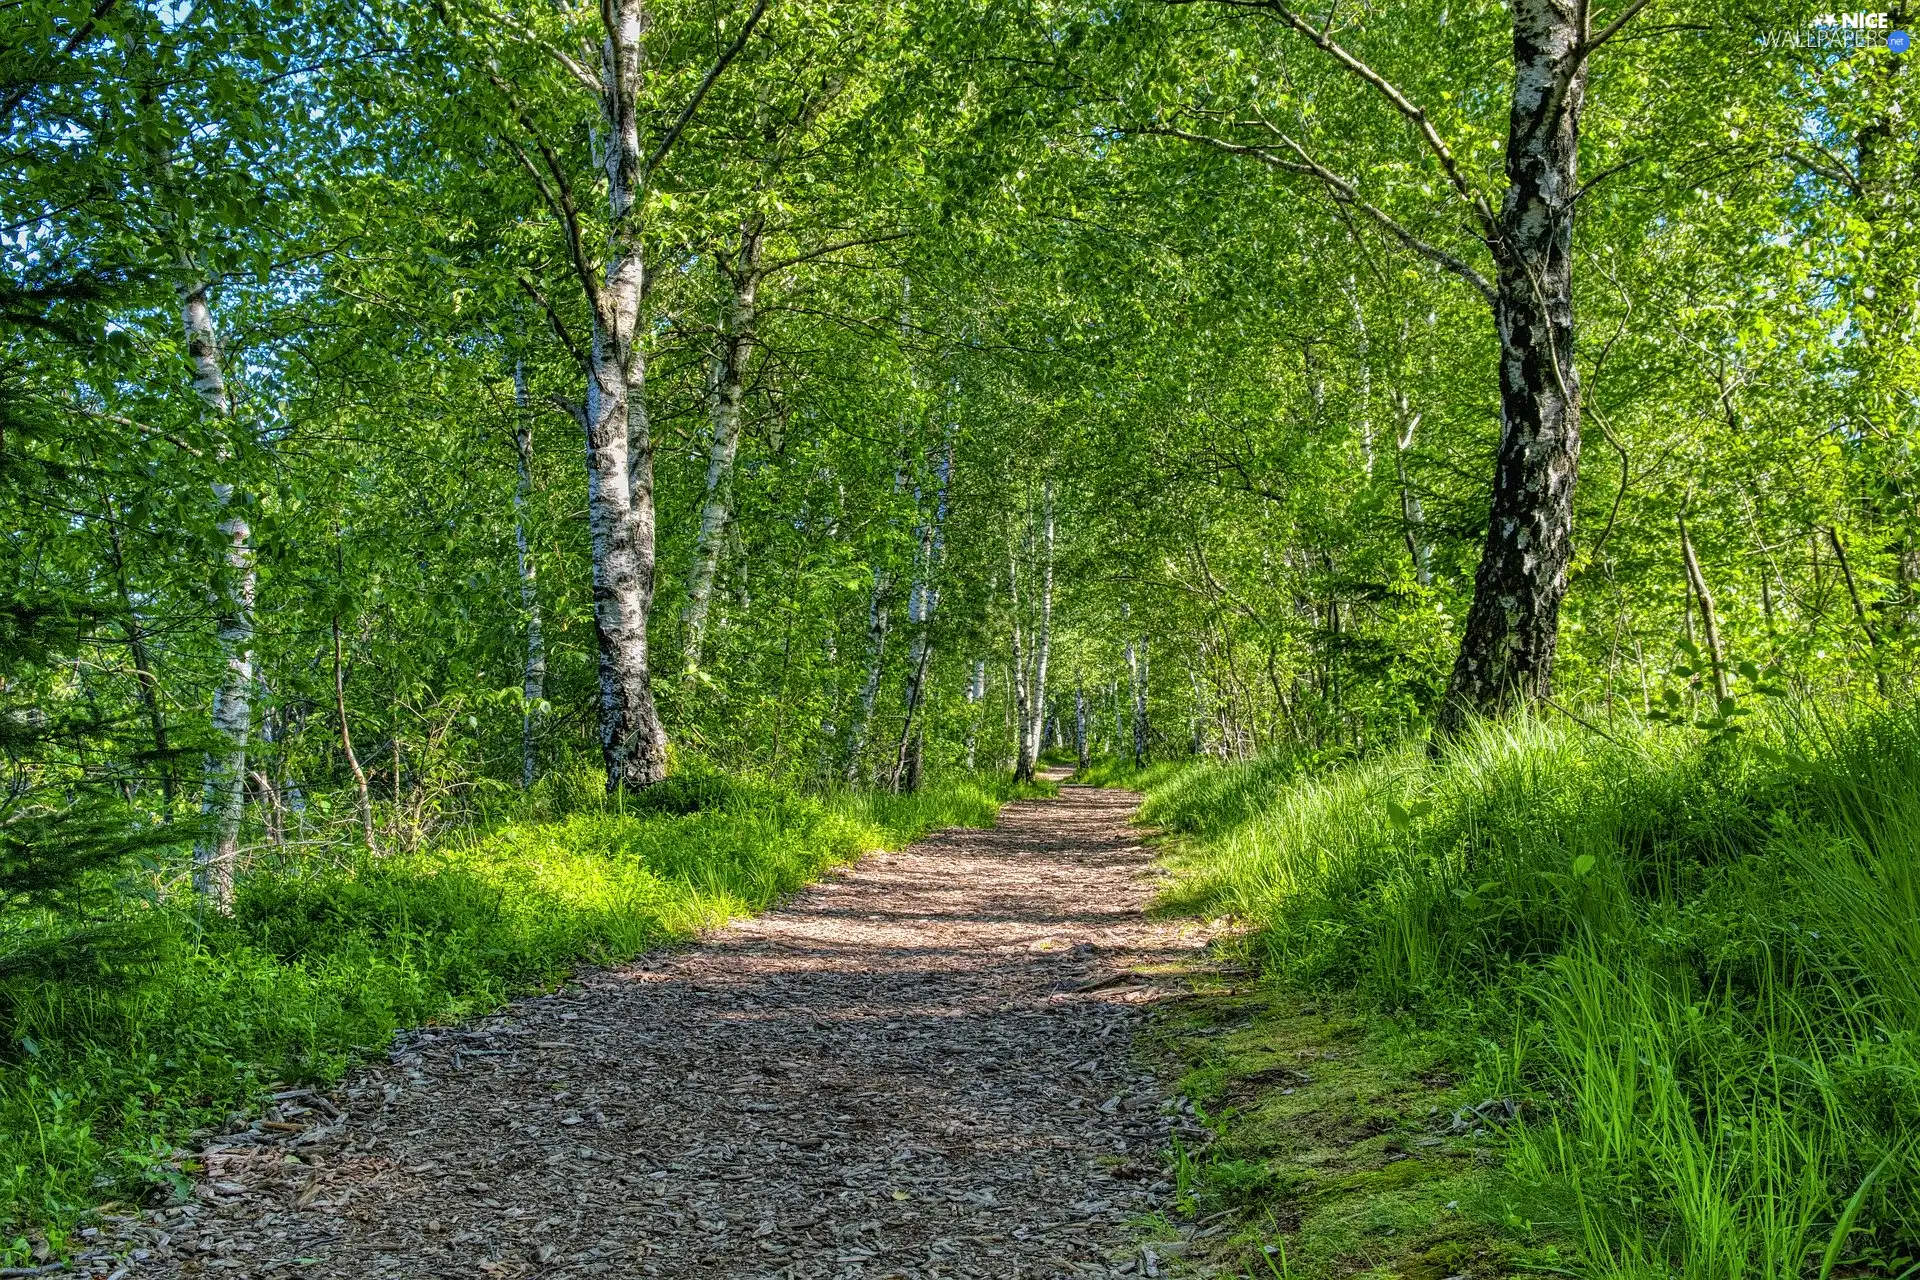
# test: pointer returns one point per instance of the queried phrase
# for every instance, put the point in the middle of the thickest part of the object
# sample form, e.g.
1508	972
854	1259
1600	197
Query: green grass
1695	964
320	964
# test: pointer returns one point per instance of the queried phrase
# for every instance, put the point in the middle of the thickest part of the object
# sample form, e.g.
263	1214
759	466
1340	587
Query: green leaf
1582	865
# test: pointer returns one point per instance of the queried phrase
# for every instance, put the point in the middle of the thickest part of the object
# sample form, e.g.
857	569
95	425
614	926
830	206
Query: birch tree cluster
405	404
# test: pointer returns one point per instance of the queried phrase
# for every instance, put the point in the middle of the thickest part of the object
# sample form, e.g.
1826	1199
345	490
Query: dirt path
908	1071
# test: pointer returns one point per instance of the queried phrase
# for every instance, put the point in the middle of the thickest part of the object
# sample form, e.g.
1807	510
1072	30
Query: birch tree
731	352
533	678
1507	649
610	271
923	600
224	800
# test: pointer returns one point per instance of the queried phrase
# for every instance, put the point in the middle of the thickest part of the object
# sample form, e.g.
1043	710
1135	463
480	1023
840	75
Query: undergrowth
323	960
1694	965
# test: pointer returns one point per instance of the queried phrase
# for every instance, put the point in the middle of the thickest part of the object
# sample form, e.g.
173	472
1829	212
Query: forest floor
924	1066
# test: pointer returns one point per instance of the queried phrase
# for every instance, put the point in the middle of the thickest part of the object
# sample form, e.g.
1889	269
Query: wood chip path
922	1067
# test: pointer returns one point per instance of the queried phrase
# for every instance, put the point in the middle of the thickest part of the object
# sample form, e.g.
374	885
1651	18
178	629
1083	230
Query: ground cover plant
319	964
1686	961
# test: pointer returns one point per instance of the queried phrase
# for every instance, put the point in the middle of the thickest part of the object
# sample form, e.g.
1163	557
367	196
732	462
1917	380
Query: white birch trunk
1022	692
1080	751
224	800
1198	720
976	691
1137	669
1413	517
1043	634
729	388
1365	353
534	675
620	515
877	627
922	600
870	686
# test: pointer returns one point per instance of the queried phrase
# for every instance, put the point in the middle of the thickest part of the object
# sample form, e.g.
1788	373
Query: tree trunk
1507	651
976	691
1022	690
142	659
1137	673
729	386
1859	608
1709	619
620	515
1413	519
225	798
870	686
922	600
270	801
1364	352
534	677
346	737
1043	636
1080	752
878	608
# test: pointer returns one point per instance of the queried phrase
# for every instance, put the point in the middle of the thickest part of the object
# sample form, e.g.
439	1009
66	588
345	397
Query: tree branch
693	103
80	35
1827	166
119	421
1612	29
558	325
1387	89
823	250
1345	193
574	67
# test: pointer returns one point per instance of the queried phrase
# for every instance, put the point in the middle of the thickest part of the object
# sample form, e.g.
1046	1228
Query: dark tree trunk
1508	649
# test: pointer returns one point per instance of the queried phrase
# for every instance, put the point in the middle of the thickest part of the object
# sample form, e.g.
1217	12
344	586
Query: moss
1332	1146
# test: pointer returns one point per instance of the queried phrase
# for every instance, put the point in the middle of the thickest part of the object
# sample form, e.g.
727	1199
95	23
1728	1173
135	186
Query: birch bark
1412	517
1043	634
534	674
224	799
729	388
922	600
878	609
976	691
1022	691
346	741
1709	617
620	513
1507	651
1137	673
1365	353
1080	752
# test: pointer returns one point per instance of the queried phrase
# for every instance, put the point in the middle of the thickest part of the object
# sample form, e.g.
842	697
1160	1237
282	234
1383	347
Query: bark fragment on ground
921	1068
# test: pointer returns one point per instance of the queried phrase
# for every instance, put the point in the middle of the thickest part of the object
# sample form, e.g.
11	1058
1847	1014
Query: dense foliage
959	379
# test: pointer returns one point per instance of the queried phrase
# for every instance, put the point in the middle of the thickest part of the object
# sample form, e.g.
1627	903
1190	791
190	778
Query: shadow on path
910	1070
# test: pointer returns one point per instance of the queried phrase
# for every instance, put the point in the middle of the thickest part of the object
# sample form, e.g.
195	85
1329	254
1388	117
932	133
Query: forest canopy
408	406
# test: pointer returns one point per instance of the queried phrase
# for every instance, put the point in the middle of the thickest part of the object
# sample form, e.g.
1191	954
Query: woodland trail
913	1069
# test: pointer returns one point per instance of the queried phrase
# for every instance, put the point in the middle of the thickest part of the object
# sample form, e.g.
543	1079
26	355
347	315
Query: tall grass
1701	960
322	962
